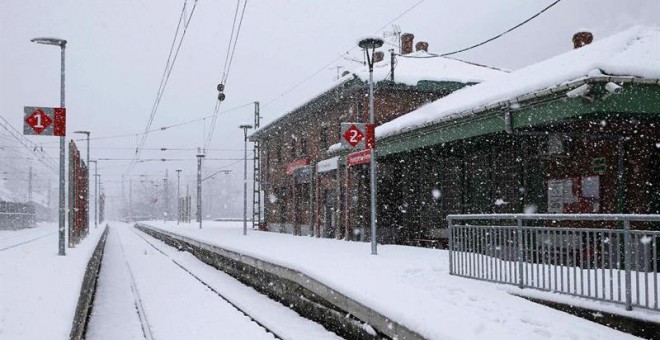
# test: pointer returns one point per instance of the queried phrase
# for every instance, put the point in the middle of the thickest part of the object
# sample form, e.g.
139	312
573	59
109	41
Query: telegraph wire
168	71
233	42
433	55
32	147
283	94
162	128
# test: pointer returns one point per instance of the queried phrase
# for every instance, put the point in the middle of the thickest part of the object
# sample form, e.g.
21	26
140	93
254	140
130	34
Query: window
324	138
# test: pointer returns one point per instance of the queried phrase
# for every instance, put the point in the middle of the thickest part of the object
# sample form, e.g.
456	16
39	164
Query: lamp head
246	126
371	42
82	132
50	41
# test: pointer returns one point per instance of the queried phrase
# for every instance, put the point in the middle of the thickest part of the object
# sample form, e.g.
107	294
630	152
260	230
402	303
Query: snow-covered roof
409	70
634	52
339	82
417	66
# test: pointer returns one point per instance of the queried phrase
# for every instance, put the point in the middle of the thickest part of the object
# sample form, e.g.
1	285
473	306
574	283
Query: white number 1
38	122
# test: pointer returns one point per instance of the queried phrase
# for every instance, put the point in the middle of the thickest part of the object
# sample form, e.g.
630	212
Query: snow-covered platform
39	289
409	285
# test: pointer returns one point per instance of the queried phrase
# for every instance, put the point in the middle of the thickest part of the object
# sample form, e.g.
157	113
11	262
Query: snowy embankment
410	285
38	288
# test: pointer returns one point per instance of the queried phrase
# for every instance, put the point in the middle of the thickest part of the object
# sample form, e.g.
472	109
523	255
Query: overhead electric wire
162	128
433	55
166	75
42	157
233	41
340	57
503	33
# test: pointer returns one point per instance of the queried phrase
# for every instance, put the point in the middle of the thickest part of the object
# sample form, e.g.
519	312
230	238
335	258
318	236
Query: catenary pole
200	155
245	128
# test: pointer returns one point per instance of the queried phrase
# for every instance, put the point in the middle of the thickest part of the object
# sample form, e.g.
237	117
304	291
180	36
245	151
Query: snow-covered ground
174	304
39	289
410	285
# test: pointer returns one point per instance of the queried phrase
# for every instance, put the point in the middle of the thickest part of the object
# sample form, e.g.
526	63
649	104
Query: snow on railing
595	256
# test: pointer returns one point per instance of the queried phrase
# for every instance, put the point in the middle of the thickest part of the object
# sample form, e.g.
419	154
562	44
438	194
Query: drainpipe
392	60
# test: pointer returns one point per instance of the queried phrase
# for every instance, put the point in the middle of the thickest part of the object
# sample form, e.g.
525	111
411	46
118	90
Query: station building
308	192
577	133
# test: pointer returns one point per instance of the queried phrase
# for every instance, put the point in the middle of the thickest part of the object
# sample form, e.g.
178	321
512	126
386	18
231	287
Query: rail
594	256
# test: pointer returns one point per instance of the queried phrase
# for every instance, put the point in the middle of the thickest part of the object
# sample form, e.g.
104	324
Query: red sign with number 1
44	121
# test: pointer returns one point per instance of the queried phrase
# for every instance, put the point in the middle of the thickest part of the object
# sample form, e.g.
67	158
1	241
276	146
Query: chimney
378	56
582	38
407	43
422	46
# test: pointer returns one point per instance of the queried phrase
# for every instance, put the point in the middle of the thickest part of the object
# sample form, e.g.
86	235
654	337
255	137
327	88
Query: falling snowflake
646	240
272	198
500	202
530	209
436	193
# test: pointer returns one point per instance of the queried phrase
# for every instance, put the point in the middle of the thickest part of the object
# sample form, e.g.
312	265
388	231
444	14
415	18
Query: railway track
215	291
149	321
139	306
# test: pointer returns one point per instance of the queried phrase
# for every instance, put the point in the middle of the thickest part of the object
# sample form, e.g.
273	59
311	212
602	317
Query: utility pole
200	155
256	174
245	128
178	196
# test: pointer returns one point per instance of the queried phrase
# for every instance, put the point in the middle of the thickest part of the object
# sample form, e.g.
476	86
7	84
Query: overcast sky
117	51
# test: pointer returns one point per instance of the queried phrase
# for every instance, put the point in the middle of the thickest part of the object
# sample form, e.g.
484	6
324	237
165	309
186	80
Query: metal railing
562	253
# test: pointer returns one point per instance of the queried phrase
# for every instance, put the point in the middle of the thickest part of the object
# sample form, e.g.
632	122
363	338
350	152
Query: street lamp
245	127
62	44
370	44
86	133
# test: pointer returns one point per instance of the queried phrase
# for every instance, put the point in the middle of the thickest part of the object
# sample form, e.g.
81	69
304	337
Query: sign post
50	121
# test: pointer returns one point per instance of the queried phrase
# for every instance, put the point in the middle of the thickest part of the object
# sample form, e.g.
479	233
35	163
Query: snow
39	289
420	65
409	70
165	303
407	284
634	52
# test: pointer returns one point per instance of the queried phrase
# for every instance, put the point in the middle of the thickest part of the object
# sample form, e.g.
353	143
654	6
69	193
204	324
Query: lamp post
86	133
62	44
370	45
96	193
245	128
178	196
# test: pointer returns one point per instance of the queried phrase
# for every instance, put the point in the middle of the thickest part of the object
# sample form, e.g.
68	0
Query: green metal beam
636	100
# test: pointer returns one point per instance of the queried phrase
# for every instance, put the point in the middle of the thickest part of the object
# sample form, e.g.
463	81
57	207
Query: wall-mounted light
579	91
613	88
